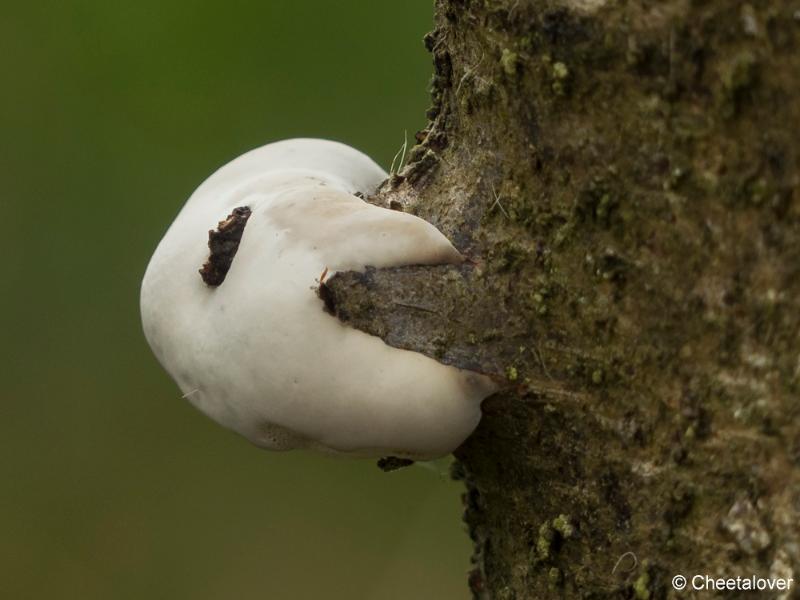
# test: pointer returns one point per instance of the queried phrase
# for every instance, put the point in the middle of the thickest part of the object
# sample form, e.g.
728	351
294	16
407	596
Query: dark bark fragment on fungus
223	243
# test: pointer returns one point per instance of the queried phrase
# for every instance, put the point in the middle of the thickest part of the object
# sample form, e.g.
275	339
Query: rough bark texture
624	177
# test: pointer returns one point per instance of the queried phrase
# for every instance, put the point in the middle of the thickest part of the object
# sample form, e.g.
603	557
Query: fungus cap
258	354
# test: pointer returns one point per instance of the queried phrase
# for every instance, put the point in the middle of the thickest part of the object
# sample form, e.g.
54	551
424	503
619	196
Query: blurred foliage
114	487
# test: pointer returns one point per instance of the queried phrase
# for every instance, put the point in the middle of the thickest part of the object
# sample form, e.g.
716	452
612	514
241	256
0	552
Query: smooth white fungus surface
258	353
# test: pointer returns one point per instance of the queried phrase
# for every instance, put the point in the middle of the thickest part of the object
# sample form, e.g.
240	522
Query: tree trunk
623	176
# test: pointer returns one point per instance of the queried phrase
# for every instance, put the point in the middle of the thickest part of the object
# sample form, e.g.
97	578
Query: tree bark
623	176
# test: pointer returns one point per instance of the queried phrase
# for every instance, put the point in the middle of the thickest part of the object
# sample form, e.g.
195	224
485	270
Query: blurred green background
111	113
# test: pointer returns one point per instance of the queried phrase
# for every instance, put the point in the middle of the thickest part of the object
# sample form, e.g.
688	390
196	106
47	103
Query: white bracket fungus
249	343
